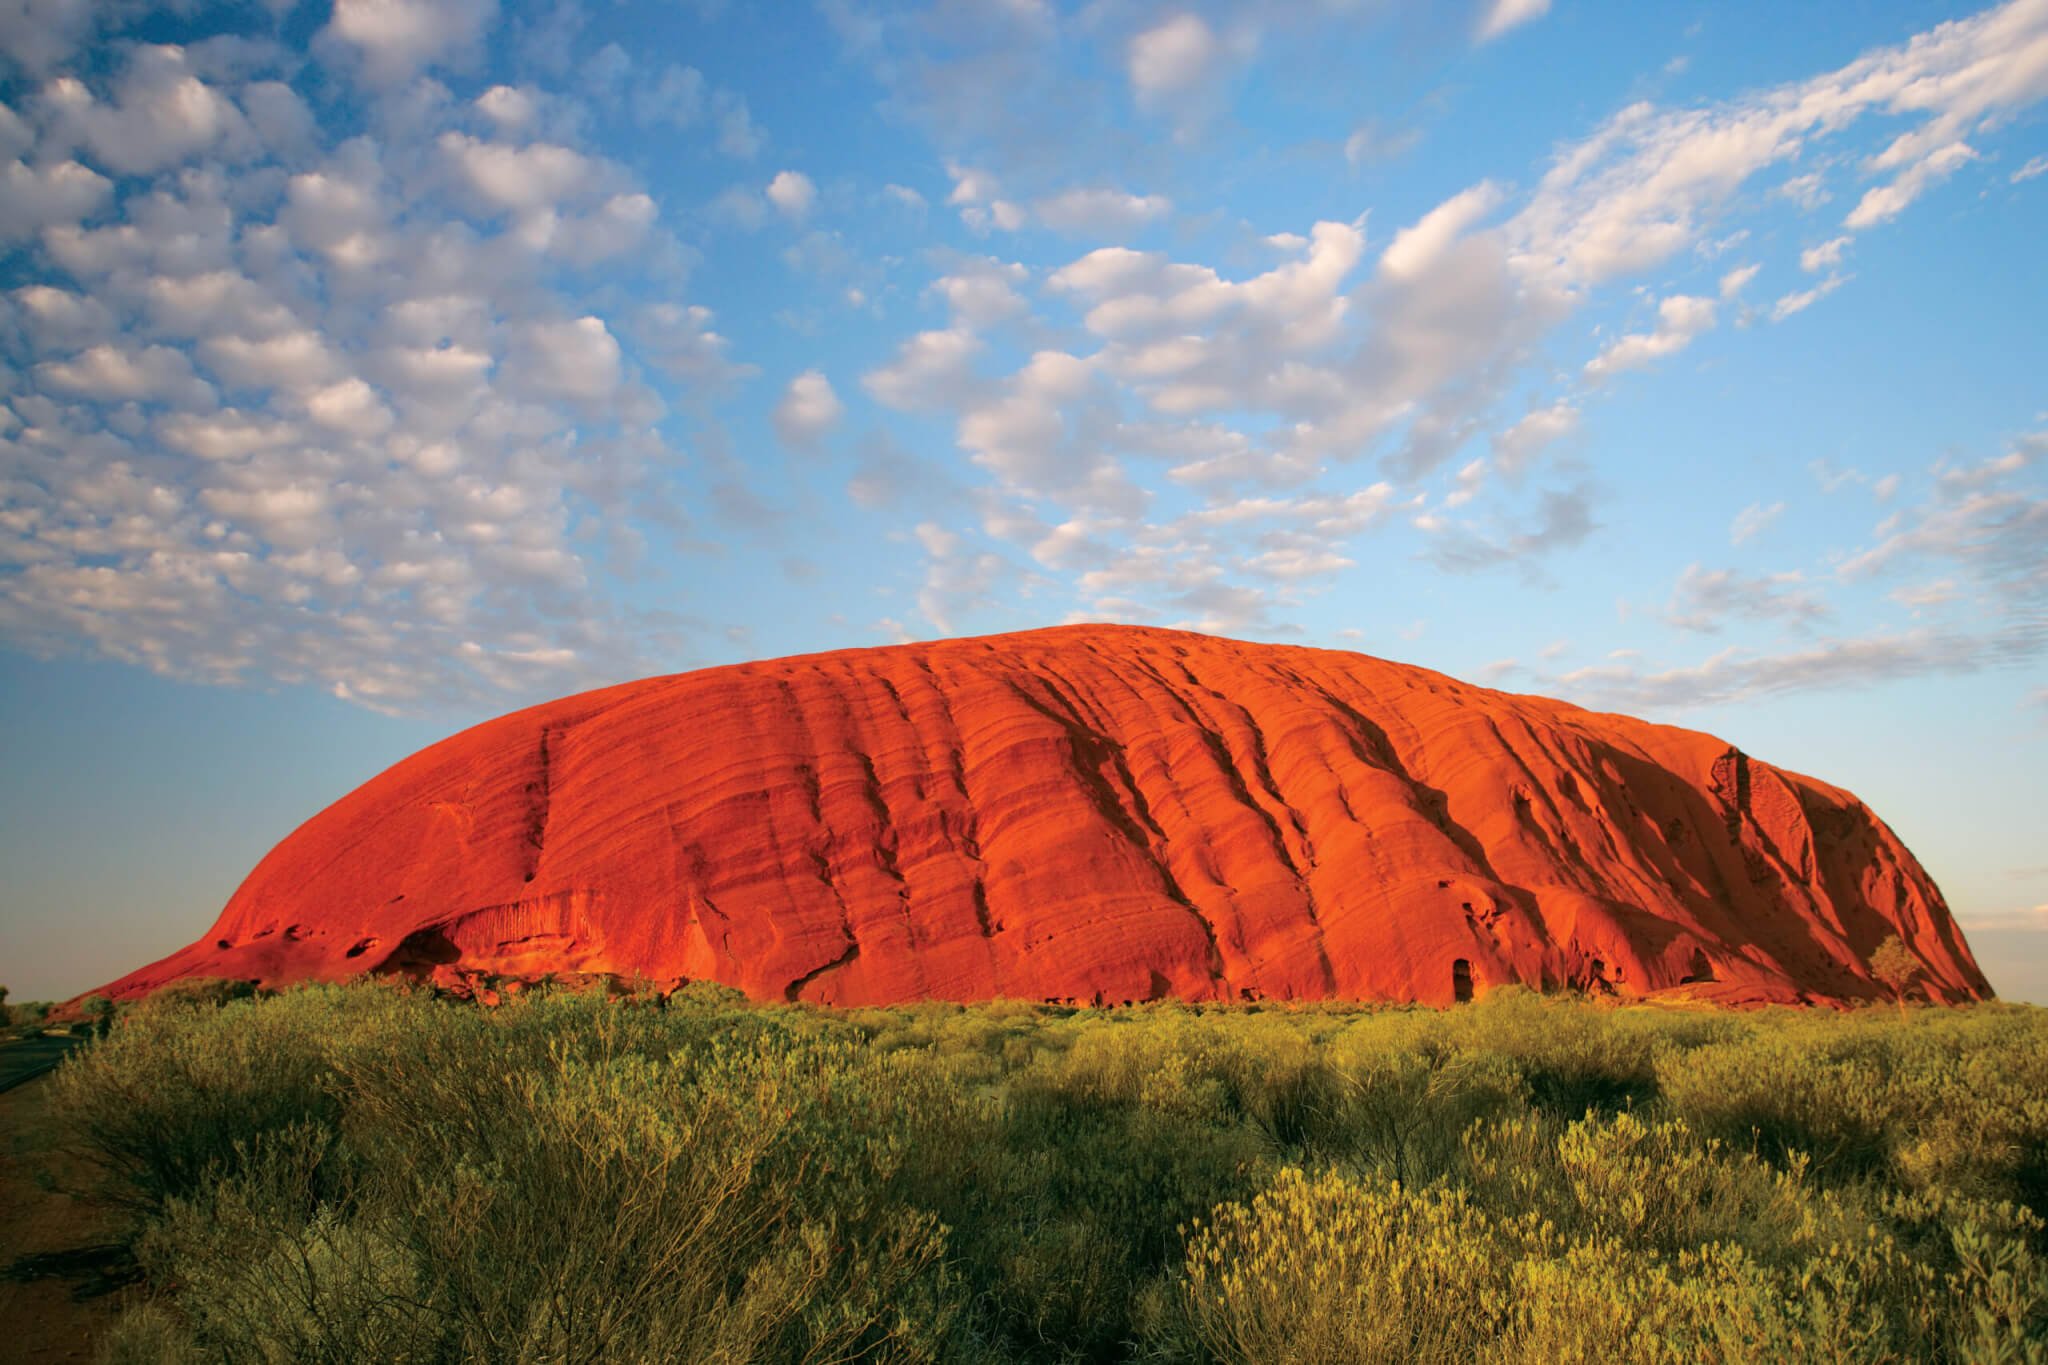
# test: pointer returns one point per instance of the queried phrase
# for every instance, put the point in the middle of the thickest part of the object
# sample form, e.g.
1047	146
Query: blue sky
367	370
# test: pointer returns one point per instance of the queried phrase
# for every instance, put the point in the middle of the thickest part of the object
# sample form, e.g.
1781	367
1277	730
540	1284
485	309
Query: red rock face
1090	813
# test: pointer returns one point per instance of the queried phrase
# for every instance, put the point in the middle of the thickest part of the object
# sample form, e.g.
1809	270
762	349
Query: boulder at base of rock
1089	814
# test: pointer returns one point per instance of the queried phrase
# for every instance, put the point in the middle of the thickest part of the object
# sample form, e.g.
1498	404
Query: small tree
1894	964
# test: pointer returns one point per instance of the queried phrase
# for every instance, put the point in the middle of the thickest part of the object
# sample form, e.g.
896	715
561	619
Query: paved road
31	1057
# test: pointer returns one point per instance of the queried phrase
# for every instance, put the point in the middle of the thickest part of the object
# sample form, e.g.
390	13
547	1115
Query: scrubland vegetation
349	1174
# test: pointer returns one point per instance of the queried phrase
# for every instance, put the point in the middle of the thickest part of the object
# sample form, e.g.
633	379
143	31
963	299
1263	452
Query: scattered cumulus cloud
1500	16
1802	299
1826	256
1172	58
1753	520
395	39
808	411
1886	202
1705	599
1372	143
1680	318
792	194
322	395
1736	280
1101	213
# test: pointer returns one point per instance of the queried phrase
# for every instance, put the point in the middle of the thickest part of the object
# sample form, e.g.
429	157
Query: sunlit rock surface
1089	813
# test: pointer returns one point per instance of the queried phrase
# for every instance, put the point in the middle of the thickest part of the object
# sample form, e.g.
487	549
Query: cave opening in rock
1461	979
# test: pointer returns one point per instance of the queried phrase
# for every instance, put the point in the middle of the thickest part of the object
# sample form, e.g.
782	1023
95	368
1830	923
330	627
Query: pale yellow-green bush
375	1173
1322	1270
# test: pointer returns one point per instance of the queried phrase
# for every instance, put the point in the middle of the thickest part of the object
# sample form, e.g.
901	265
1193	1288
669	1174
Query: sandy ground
55	1301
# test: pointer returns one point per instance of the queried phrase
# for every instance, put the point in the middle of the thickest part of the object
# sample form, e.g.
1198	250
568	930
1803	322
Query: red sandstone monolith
1089	814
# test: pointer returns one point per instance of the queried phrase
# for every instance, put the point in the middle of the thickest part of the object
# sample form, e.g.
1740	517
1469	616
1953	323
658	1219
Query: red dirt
1089	813
54	1316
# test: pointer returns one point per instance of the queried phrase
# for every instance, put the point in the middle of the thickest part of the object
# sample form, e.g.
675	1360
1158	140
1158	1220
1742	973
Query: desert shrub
1780	1093
25	1019
148	1332
1326	1271
1073	1203
1404	1094
1575	1056
367	1173
194	992
722	1205
1942	1099
159	1108
270	1266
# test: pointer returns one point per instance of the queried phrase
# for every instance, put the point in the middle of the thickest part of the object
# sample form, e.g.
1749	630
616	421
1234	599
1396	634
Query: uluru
1089	814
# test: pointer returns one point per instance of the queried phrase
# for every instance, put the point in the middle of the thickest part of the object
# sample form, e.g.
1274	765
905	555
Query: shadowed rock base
1089	813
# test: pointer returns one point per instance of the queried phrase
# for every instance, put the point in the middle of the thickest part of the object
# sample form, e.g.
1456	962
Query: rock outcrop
1089	813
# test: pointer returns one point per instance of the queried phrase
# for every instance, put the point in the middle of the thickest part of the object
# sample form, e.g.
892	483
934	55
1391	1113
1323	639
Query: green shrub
1325	1271
160	1107
367	1173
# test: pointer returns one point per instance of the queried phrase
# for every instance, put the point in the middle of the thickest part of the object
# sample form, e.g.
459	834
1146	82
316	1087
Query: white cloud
1172	58
161	113
350	407
1370	143
1564	519
1471	479
1736	674
1025	435
33	198
2029	920
430	455
575	358
1826	256
1516	447
792	193
512	108
2036	166
680	339
932	370
114	373
1753	520
1736	280
1704	599
1502	15
536	176
1680	318
1641	187
807	412
957	579
1925	595
294	360
982	292
40	33
1886	202
1417	247
1800	300
1101	212
394	39
976	195
676	97
1989	517
60	320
